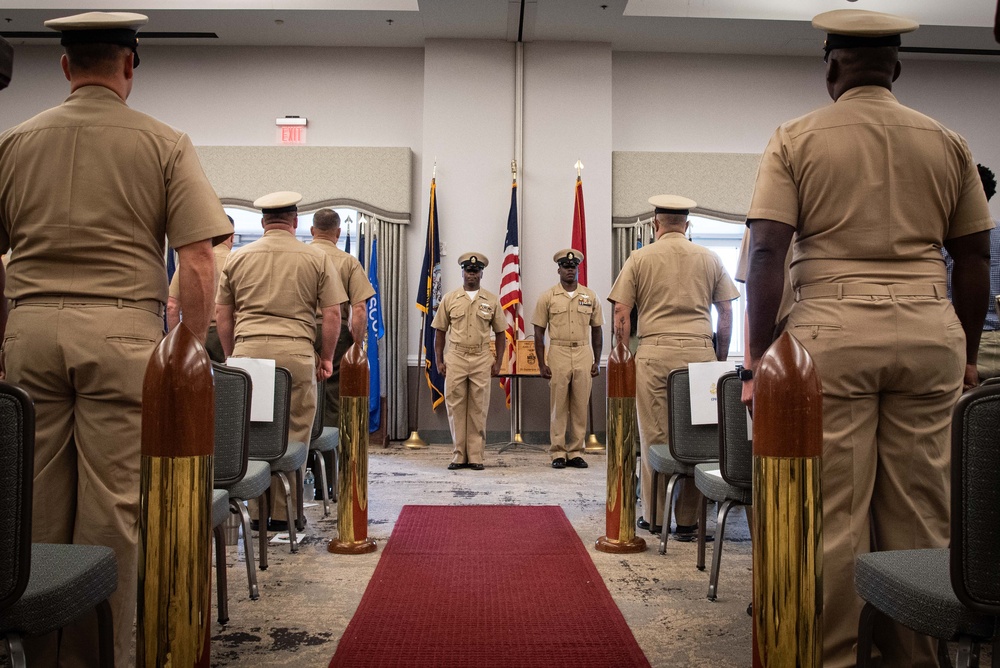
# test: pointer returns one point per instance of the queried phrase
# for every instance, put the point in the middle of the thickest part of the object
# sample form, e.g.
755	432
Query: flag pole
414	442
592	443
515	382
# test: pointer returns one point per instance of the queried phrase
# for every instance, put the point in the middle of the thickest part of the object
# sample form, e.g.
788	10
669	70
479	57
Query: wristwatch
745	373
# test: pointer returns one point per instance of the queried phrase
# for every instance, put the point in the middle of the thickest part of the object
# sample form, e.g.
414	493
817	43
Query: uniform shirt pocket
485	311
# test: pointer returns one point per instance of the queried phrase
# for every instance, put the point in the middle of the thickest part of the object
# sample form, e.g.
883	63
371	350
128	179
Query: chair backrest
320	410
689	443
269	440
233	390
735	446
17	448
975	499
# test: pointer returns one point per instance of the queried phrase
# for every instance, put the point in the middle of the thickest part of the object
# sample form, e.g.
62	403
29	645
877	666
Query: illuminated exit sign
291	130
294	134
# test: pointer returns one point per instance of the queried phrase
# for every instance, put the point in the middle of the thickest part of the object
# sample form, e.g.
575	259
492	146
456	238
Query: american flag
510	291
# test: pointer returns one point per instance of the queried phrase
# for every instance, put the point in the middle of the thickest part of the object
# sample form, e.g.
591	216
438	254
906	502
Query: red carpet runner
484	586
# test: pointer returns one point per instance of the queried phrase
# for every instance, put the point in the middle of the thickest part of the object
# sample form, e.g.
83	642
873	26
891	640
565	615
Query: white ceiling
776	27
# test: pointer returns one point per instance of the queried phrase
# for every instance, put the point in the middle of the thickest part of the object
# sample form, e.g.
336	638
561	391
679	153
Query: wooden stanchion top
788	402
178	398
354	372
621	372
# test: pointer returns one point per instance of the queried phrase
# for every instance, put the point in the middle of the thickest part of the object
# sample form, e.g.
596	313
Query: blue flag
428	298
347	244
376	330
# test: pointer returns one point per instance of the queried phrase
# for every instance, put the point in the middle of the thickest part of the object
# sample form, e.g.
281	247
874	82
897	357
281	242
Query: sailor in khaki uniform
872	190
465	318
674	283
572	314
174	314
353	315
266	308
88	191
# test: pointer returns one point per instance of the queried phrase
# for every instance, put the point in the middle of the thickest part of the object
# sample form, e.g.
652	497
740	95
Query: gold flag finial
579	168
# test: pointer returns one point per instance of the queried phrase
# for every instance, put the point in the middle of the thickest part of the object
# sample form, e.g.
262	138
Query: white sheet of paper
262	376
703	377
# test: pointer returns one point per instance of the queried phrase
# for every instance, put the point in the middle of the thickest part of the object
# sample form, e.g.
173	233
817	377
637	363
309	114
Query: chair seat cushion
328	440
256	481
914	588
293	459
662	462
708	479
66	581
220	506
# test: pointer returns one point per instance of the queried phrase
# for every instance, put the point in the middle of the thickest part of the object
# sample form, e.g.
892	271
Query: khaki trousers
467	396
569	394
83	366
655	359
891	372
331	405
298	357
988	364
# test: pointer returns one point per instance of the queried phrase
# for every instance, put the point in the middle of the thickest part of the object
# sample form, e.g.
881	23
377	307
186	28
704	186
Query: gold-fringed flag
510	291
580	228
428	298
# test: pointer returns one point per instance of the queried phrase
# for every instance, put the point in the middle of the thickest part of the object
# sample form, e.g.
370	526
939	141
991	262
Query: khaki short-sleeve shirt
470	322
351	273
275	283
872	188
89	189
674	283
568	318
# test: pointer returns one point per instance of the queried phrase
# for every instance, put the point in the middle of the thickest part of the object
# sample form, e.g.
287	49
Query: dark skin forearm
439	338
543	369
597	343
769	242
498	360
970	281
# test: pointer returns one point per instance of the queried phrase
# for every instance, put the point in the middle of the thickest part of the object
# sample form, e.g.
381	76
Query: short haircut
326	220
989	180
870	60
102	59
286	218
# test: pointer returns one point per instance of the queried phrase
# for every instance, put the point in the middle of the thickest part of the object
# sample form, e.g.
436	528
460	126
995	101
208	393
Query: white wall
680	102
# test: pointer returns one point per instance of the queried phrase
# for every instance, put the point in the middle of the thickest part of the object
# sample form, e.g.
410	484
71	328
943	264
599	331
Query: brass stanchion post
352	484
620	511
175	505
788	511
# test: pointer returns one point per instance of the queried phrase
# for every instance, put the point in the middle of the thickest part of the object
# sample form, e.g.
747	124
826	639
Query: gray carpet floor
307	599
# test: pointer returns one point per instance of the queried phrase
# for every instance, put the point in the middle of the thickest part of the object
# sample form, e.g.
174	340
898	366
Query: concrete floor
307	599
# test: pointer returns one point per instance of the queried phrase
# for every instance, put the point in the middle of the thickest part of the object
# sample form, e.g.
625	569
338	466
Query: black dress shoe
644	525
559	463
454	466
688	533
476	467
577	463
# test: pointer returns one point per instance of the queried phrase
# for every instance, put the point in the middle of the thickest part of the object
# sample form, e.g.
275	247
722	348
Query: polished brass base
414	442
593	445
518	438
337	546
605	544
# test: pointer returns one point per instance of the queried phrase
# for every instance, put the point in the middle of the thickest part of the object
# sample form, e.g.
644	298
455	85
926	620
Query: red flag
510	290
580	231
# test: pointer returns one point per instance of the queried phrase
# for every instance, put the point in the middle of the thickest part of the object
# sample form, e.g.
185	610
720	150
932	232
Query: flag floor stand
515	421
414	442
